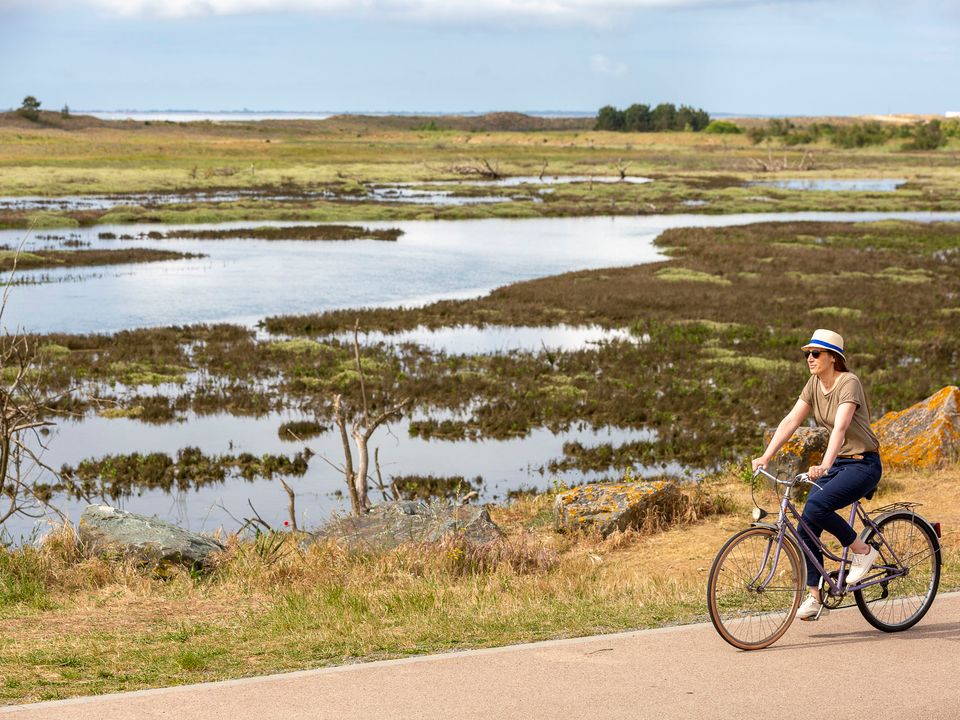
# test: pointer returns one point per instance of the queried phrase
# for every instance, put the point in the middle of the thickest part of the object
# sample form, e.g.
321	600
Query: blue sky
740	56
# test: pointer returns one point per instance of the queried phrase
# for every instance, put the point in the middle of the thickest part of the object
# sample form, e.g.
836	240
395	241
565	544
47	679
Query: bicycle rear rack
896	506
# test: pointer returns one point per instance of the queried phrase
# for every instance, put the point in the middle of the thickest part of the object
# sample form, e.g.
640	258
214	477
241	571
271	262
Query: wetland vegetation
323	170
11	258
296	232
713	353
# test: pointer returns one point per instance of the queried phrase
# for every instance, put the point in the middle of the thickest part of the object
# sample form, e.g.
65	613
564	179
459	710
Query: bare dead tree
543	169
621	167
23	413
364	425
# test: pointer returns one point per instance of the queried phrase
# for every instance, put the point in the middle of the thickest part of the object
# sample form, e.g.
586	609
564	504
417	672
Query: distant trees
641	118
928	136
30	108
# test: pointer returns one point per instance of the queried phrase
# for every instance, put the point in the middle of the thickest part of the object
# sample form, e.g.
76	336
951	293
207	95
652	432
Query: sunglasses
815	353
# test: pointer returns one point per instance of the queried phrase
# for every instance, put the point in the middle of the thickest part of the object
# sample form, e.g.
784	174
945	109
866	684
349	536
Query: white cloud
602	65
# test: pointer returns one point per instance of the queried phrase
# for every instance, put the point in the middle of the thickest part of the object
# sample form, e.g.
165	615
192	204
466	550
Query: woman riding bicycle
851	464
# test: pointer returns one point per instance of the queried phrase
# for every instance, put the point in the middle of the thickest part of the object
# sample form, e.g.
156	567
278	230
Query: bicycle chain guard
831	602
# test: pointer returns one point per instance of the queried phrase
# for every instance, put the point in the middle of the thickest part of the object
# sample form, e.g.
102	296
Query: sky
778	57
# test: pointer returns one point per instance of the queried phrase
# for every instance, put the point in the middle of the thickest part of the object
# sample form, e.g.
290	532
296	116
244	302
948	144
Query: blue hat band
826	345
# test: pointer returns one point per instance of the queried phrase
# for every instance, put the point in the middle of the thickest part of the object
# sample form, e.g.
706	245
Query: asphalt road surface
839	667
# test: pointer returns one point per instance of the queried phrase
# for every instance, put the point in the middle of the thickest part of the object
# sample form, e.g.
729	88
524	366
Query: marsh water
833	185
243	281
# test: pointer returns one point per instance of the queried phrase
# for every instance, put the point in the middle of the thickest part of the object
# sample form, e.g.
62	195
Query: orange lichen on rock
618	506
924	435
804	448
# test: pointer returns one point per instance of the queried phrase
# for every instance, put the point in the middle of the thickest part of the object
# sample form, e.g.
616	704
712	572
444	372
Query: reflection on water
473	340
504	464
861	185
516	180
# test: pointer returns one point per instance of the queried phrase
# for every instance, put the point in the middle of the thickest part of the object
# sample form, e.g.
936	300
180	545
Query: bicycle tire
746	618
902	602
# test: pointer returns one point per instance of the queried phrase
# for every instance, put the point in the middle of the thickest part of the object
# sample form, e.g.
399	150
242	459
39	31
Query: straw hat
826	340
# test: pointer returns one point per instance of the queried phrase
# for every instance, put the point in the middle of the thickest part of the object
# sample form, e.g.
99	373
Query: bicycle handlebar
800	478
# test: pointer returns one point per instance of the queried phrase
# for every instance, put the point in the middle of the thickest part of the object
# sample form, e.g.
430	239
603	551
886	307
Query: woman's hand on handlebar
759	462
816	472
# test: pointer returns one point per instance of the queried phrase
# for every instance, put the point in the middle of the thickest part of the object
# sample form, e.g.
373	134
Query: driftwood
776	165
480	167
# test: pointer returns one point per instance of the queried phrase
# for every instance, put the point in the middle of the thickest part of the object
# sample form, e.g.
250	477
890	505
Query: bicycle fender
866	532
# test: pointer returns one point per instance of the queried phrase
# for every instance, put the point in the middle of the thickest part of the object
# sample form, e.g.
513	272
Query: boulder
924	435
608	507
105	530
804	448
391	524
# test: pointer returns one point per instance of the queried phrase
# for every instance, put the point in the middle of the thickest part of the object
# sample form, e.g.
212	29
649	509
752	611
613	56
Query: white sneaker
809	609
860	565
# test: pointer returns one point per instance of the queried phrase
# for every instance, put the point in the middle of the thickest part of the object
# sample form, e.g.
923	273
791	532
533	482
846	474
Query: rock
924	435
609	507
391	524
107	530
804	448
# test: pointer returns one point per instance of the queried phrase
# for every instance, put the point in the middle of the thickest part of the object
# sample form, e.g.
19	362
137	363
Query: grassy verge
81	626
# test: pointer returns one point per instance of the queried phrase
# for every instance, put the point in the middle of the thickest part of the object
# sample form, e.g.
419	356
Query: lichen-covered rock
105	530
924	435
804	448
391	524
609	507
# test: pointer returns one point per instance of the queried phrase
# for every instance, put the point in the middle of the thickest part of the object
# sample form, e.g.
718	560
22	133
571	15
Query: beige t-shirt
859	437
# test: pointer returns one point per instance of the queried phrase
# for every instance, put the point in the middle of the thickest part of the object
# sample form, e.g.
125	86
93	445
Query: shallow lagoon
243	281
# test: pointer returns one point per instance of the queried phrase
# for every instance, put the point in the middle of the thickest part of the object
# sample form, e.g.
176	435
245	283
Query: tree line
919	136
643	118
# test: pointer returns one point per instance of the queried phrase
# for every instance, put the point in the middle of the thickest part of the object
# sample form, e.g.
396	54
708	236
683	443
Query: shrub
861	135
928	136
723	127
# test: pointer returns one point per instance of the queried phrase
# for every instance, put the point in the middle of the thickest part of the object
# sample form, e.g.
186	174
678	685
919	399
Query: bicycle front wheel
753	591
899	603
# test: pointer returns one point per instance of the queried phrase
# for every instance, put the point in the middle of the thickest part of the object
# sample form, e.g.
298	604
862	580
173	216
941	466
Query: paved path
683	672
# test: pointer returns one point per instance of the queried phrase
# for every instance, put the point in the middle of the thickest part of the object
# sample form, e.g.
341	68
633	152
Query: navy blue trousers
843	484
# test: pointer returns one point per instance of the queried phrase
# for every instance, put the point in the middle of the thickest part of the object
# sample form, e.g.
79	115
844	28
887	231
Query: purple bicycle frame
784	524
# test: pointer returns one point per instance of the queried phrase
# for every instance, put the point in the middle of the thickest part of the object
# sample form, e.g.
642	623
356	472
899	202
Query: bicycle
757	580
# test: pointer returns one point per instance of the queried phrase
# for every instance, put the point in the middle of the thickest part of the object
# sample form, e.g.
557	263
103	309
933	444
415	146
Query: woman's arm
785	429
841	423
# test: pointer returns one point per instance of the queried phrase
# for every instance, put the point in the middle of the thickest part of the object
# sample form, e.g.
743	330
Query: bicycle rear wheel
748	612
900	603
